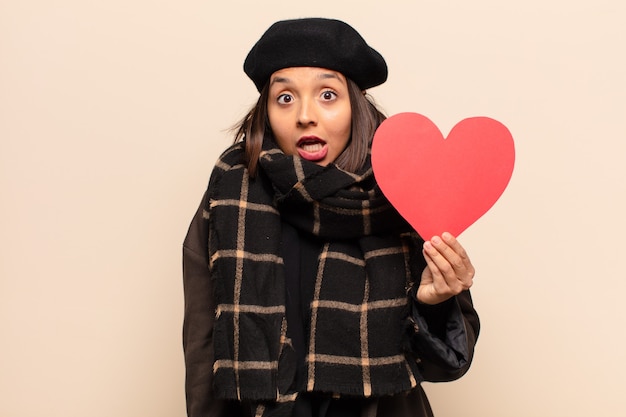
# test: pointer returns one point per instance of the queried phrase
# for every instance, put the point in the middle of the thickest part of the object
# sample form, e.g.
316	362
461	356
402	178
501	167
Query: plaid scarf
358	331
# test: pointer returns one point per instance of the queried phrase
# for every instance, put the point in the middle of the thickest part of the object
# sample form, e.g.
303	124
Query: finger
444	276
456	255
456	246
449	264
449	261
433	287
447	252
432	265
467	276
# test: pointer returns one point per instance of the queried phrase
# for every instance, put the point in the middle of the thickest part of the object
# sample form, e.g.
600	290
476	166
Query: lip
313	155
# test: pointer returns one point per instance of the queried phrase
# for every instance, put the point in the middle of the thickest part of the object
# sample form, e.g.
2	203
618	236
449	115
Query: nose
307	114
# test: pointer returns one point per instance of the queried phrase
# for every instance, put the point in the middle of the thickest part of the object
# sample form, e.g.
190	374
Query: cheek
344	126
274	122
281	134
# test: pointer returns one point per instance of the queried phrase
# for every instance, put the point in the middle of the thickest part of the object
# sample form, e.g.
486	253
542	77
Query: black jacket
445	342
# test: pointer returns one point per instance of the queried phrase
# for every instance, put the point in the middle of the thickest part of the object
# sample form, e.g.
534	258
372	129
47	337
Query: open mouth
312	148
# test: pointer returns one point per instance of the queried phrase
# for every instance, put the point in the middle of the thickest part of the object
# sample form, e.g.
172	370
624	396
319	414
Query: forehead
296	74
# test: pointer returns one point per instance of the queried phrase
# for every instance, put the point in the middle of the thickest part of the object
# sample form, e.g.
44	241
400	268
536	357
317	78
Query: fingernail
446	236
436	240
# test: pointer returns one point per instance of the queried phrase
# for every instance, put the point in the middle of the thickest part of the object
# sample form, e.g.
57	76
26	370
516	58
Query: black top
299	252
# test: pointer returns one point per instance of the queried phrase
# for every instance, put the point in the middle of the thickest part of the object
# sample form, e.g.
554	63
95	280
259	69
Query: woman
306	294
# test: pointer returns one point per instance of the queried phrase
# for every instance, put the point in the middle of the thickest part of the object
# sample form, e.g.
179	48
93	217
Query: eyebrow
326	75
283	80
322	76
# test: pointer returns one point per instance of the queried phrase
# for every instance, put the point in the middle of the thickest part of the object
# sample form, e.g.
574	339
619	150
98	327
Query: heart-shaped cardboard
442	185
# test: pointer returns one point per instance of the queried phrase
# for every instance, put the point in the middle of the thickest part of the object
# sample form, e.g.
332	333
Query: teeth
312	147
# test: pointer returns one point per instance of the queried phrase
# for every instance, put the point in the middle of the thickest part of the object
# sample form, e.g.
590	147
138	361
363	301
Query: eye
329	95
285	98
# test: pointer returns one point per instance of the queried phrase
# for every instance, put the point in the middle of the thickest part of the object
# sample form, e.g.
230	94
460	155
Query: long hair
366	117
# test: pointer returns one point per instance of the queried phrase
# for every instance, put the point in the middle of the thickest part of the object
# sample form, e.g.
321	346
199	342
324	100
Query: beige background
113	112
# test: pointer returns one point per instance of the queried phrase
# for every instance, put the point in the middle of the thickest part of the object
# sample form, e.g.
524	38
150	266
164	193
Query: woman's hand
448	270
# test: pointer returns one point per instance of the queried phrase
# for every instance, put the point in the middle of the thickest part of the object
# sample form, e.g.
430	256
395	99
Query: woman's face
309	113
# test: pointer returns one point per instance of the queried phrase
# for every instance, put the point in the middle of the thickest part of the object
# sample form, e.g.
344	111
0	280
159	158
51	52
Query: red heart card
442	185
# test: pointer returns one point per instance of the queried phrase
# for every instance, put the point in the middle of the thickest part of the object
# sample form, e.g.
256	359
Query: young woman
306	294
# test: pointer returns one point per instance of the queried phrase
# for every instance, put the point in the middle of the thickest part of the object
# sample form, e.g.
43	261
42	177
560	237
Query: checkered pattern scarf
360	304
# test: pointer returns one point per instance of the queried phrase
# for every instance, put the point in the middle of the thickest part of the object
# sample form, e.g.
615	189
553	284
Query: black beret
315	42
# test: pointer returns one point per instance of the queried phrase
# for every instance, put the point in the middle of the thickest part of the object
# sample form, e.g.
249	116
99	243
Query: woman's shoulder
233	157
231	162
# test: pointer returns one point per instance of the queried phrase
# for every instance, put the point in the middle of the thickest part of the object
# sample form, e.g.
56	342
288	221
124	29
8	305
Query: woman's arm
199	318
444	337
445	322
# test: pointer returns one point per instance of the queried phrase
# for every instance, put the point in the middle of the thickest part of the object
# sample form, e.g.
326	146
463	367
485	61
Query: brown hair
366	117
